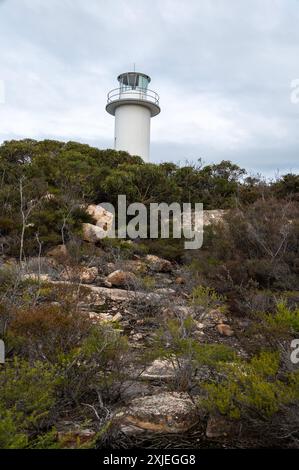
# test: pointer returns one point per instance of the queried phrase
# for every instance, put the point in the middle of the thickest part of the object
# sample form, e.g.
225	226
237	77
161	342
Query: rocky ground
137	294
151	407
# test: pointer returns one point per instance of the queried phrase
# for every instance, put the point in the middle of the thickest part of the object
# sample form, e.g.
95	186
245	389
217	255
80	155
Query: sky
224	70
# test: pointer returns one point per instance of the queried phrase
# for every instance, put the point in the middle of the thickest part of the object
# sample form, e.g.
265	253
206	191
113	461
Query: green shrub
27	401
99	364
11	433
251	388
206	297
175	342
283	319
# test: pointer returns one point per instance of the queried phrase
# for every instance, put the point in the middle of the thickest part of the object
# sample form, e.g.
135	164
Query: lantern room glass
133	80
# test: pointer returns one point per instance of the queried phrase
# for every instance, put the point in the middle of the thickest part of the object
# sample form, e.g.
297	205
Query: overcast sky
223	70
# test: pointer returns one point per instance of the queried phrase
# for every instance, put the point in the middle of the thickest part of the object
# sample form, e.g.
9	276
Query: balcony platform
140	96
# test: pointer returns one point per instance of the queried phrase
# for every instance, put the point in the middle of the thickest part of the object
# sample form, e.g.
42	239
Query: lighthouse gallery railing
137	93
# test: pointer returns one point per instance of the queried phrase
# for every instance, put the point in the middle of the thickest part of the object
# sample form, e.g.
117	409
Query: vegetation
69	360
44	186
253	389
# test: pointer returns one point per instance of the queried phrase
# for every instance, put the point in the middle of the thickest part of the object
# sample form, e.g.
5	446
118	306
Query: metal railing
137	93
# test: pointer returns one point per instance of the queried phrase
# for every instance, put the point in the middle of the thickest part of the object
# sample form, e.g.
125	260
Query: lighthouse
133	104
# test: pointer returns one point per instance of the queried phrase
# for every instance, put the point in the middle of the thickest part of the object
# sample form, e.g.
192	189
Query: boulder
121	278
158	264
88	275
136	266
160	369
59	253
80	273
225	330
166	412
117	317
103	218
92	233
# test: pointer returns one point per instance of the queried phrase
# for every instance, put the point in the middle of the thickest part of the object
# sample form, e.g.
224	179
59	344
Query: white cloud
223	70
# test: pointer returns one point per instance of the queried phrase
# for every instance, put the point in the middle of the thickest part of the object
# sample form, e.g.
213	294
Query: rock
167	412
158	264
92	233
130	430
59	253
224	330
165	291
103	218
36	277
115	294
136	336
136	266
180	280
80	273
220	426
88	275
177	311
117	317
121	278
131	389
100	317
214	316
160	369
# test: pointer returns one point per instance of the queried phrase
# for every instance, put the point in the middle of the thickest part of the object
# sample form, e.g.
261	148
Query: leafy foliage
284	319
252	388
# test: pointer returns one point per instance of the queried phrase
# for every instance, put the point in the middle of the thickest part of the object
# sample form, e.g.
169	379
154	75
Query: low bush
252	389
27	401
283	320
45	331
175	341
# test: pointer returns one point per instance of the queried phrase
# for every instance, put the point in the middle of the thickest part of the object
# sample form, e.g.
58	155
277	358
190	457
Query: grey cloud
223	70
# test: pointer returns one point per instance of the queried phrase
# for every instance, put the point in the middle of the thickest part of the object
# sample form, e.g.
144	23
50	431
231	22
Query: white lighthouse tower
133	106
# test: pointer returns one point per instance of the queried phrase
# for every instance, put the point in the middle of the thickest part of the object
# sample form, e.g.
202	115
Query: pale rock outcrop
100	317
103	218
59	253
159	369
166	412
121	278
92	233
